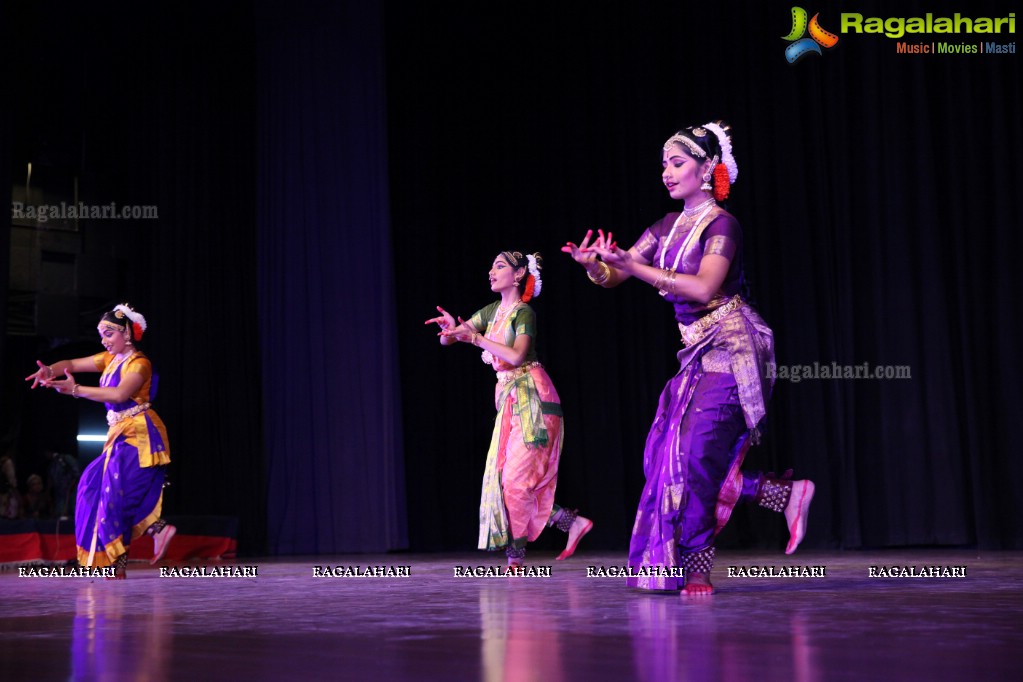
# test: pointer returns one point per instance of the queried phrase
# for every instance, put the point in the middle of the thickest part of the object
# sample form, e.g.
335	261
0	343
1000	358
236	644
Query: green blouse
521	320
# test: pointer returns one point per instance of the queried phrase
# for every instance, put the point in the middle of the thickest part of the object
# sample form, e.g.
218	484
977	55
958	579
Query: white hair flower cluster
726	150
135	317
535	272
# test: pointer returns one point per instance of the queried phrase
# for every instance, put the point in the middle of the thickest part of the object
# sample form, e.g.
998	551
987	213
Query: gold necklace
114	366
690	212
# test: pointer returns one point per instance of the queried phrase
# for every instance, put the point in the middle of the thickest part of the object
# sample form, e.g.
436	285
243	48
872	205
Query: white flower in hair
135	317
535	272
726	150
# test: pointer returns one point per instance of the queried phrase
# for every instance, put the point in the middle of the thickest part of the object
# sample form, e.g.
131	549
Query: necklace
501	316
690	212
505	309
705	206
116	364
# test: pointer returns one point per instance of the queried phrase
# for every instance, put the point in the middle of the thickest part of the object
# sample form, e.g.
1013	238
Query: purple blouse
719	234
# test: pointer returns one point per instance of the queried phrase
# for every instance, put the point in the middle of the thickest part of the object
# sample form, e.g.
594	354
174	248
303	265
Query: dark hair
520	259
704	139
118	318
517	259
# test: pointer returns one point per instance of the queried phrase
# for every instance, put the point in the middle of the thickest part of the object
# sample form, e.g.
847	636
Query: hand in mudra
581	253
445	320
40	376
463	332
63	386
609	252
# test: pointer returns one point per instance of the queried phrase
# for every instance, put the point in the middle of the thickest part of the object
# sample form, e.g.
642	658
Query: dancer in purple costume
711	410
120	494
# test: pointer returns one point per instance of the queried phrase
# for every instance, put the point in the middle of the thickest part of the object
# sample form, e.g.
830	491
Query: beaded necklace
709	204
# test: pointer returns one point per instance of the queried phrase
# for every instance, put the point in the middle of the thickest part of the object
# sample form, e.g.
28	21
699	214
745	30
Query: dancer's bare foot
161	541
697	585
120	567
580	527
796	512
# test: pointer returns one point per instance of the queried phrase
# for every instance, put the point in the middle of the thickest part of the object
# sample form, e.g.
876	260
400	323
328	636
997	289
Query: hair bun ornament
721	184
533	281
138	322
530	289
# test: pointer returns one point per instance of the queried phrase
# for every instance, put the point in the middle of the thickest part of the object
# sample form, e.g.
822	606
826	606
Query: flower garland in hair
726	150
138	322
533	282
721	185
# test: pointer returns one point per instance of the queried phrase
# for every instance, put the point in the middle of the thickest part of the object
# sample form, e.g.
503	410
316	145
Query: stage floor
285	623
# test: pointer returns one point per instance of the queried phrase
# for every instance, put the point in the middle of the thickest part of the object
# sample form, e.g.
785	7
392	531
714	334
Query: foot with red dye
796	512
161	541
580	527
697	585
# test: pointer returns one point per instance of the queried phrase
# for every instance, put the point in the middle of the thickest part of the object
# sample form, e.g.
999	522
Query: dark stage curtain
164	99
879	197
332	415
5	255
204	270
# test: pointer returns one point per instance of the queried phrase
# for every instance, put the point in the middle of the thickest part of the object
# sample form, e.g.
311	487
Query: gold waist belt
693	333
513	374
114	417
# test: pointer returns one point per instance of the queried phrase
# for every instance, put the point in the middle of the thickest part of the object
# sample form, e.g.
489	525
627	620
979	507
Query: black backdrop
327	175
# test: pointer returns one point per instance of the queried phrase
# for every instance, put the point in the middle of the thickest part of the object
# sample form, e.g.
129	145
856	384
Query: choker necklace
502	309
690	212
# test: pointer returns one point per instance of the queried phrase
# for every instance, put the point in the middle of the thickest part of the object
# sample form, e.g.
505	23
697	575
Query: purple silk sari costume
120	493
708	413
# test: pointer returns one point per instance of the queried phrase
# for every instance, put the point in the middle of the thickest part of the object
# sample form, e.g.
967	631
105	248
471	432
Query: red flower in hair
136	331
721	185
528	293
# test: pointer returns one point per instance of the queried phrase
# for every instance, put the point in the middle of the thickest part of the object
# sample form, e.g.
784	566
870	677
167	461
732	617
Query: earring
706	186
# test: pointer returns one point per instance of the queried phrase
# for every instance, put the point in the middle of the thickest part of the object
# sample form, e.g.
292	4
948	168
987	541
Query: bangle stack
475	339
602	278
665	283
74	391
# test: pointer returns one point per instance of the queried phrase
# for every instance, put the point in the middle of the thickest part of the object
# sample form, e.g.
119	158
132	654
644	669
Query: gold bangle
605	274
663	275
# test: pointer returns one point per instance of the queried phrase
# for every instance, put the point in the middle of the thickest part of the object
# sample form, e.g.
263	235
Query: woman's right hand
581	254
445	320
41	375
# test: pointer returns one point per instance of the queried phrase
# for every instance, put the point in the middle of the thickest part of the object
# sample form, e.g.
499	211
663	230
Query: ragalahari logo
801	46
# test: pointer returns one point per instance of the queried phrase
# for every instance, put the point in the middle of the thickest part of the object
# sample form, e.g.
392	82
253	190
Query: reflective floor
287	624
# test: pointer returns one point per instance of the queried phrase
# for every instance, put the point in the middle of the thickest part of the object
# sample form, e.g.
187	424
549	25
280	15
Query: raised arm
66	385
700	287
57	369
466	333
600	271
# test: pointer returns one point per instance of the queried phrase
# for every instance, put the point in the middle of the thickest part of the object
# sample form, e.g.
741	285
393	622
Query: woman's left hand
63	386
